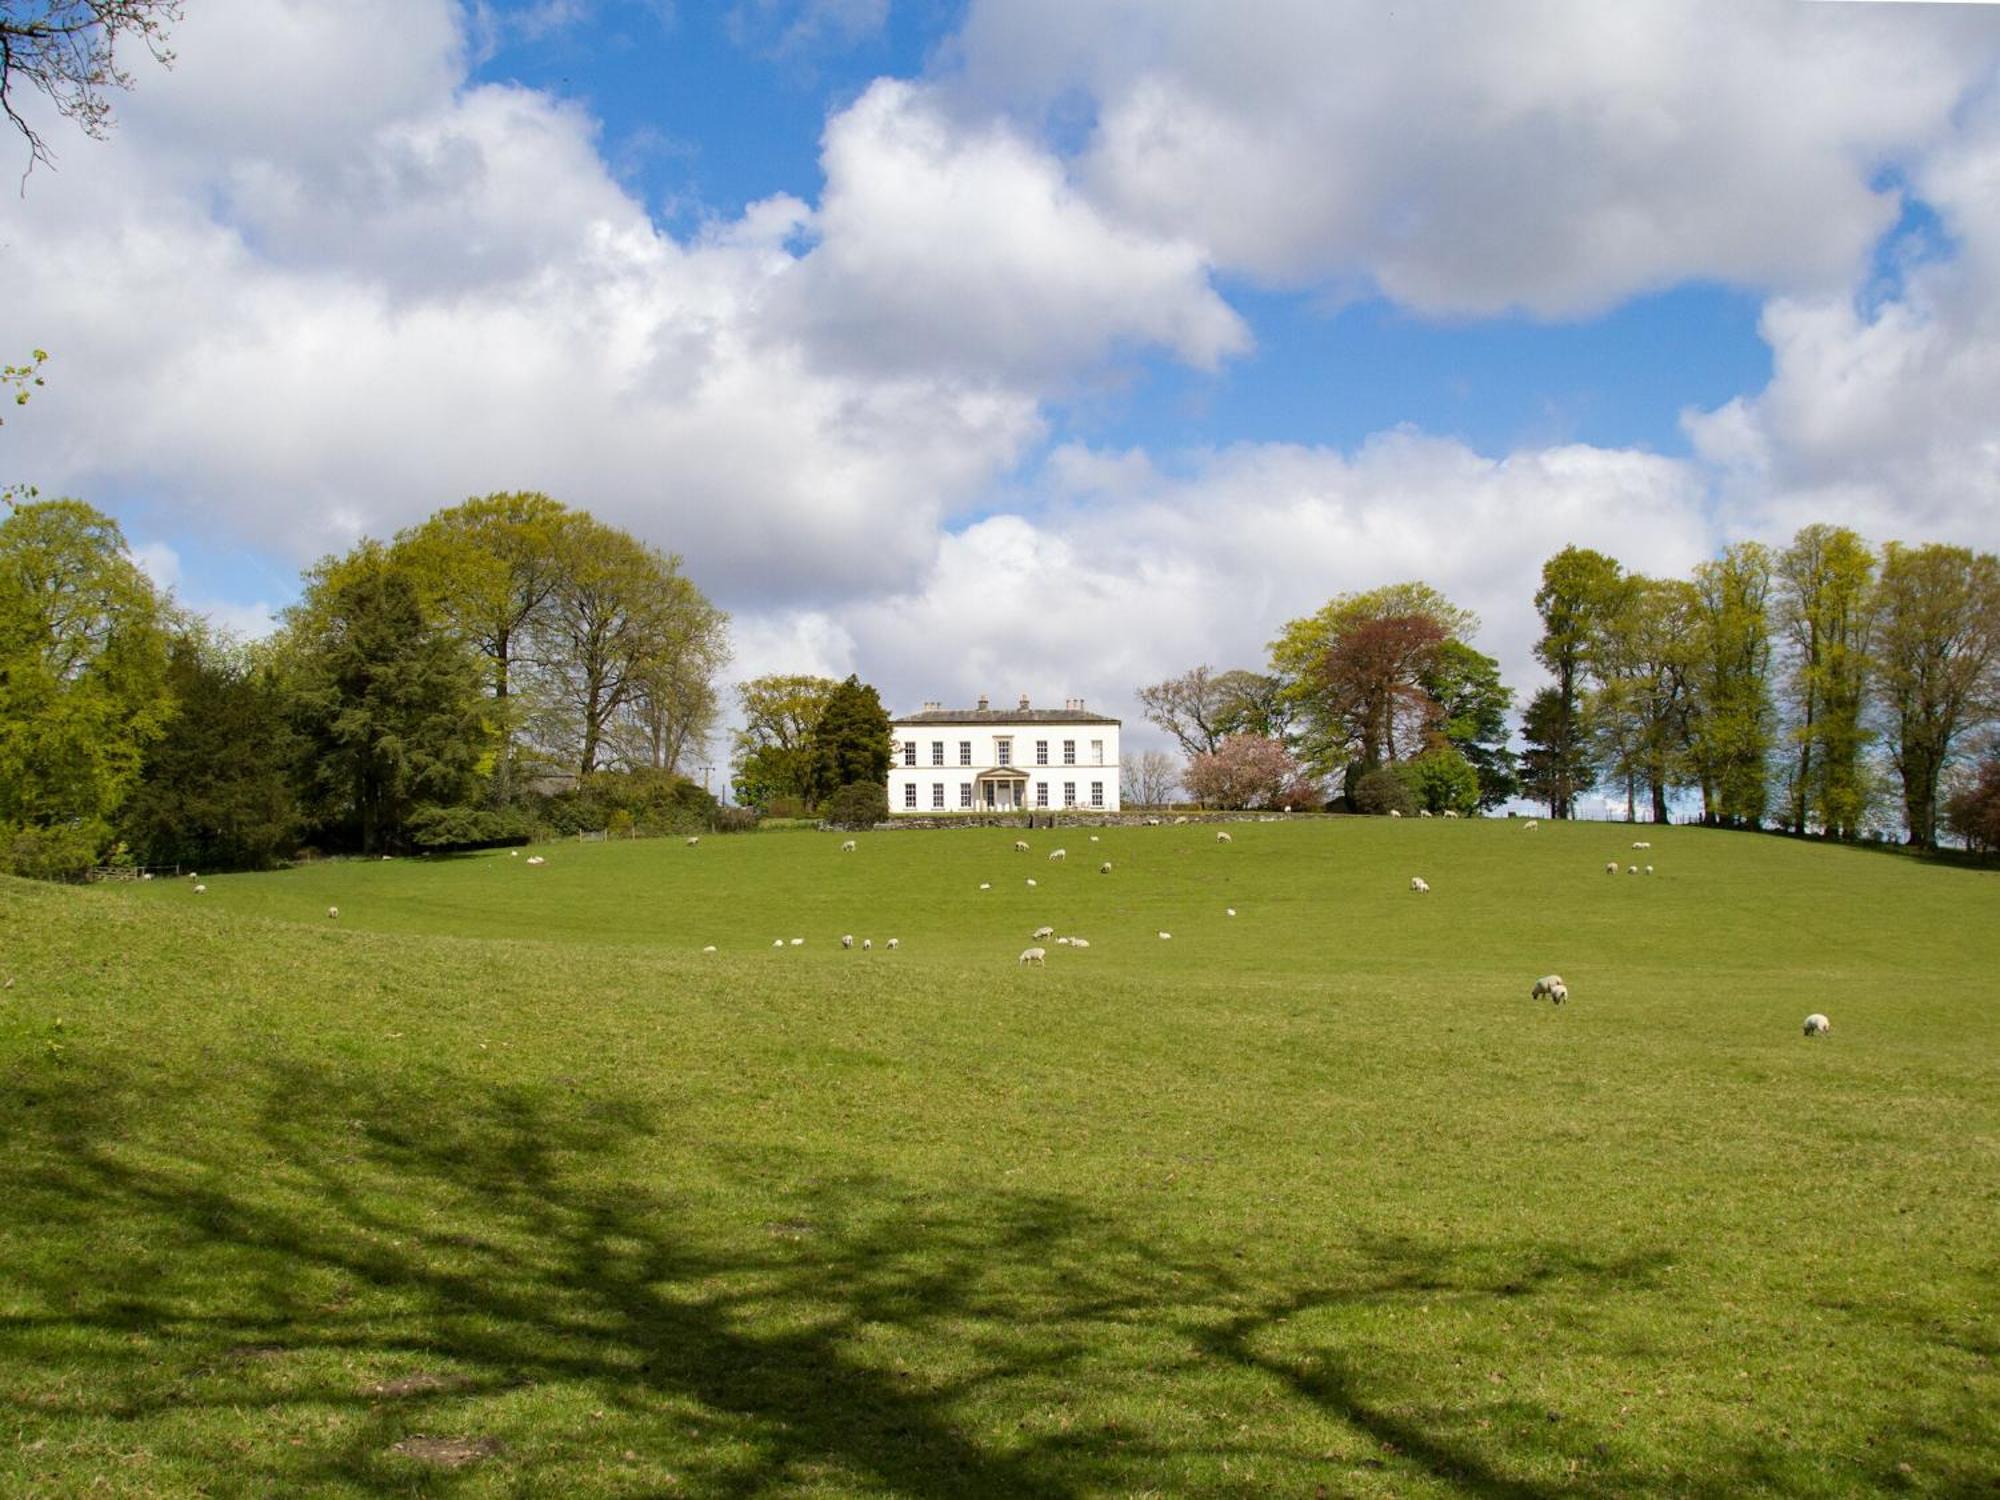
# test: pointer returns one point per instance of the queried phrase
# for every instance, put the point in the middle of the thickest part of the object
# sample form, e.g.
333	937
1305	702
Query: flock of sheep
1548	987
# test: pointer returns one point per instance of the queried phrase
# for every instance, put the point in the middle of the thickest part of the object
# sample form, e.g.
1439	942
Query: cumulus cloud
1551	155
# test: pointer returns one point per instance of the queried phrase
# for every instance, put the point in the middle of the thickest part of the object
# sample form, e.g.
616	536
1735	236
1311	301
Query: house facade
987	759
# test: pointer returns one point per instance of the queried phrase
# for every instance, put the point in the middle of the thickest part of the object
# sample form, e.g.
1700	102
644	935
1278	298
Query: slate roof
941	716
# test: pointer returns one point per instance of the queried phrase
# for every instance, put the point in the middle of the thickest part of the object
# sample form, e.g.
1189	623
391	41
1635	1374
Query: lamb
847	940
986	885
1063	942
1043	932
1105	868
1817	1025
1611	868
1020	846
1641	844
1223	838
333	912
1229	911
1093	838
1423	812
1034	955
847	846
1631	869
1179	821
777	942
1152	822
1550	987
1057	854
537	859
1420	885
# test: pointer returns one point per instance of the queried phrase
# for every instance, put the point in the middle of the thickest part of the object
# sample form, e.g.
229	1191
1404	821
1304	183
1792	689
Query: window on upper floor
965	752
1069	752
1041	752
1003	752
909	752
1097	752
937	752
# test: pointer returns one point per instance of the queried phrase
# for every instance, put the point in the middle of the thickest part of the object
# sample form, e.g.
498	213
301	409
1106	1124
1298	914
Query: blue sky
1028	346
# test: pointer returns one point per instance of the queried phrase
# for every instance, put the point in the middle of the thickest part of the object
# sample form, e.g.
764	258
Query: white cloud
1553	155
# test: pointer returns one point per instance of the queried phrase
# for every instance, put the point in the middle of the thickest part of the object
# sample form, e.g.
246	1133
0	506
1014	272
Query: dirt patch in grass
449	1452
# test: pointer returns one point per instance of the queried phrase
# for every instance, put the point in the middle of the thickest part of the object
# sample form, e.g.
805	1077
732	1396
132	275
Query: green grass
1312	1199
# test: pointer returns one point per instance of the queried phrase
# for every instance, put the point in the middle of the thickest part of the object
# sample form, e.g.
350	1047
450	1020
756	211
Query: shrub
62	853
432	826
1381	791
859	804
1245	770
734	820
1974	814
1441	780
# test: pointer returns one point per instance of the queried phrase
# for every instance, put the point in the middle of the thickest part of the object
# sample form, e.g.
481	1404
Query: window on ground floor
1097	794
910	795
937	794
965	794
1069	794
1041	794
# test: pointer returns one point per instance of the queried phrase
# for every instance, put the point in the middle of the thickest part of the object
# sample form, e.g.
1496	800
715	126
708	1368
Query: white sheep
145	874
200	889
513	853
847	940
986	885
693	839
1057	854
537	859
1649	869
1031	880
1395	813
1817	1025
1550	987
847	846
1043	932
1531	825
777	942
1179	821
1020	846
866	944
1451	812
1079	942
1423	812
1034	955
1642	844
1631	869
709	949
1229	911
1420	885
1093	838
1165	936
1224	838
895	942
1063	942
1105	868
798	942
333	912
1611	867
1152	822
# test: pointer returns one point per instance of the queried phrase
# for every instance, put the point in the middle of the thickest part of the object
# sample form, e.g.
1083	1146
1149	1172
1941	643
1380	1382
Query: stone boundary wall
1074	819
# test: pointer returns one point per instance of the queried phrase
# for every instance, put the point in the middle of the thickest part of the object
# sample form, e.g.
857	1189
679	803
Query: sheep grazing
847	940
1423	812
693	839
1079	942
777	942
709	949
1420	885
1034	955
1641	844
1631	869
1229	911
1093	838
200	890
1550	987
847	846
1223	838
1020	846
1152	822
1531	825
1179	821
798	942
1105	868
986	885
1611	867
333	912
1451	812
895	942
1063	942
1164	936
866	944
513	853
1395	813
1649	869
1817	1025
1056	854
1042	932
1031	880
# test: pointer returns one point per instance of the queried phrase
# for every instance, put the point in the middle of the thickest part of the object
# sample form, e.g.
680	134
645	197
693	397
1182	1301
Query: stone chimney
982	703
1024	703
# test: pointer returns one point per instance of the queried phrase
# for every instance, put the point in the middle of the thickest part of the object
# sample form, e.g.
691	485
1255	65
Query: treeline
507	667
812	745
1827	686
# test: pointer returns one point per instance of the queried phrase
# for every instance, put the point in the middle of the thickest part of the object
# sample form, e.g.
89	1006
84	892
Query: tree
68	51
1472	706
1937	659
1730	739
83	671
773	749
488	570
1441	780
1556	768
1382	791
1824	582
1578	586
1639	711
390	707
849	744
1201	708
1245	770
1149	779
1974	813
1353	674
674	703
217	788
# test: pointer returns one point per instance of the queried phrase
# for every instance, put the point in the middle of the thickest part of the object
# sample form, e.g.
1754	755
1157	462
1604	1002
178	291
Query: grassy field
498	1184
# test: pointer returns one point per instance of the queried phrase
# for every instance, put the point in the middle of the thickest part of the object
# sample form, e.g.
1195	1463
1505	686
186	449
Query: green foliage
83	671
1579	589
850	741
1557	766
774	750
391	709
1380	792
1973	813
457	826
1201	708
1473	705
217	790
1441	780
64	851
1824	611
1730	730
643	800
1937	656
1645	661
859	804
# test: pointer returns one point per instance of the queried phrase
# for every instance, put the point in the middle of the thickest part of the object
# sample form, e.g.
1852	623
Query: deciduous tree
849	744
1244	770
1731	739
1578	587
1824	611
773	749
68	50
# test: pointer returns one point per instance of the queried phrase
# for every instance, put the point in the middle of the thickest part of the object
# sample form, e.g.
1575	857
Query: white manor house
1003	760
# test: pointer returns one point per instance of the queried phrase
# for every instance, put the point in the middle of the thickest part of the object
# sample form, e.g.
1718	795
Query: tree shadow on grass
295	1290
